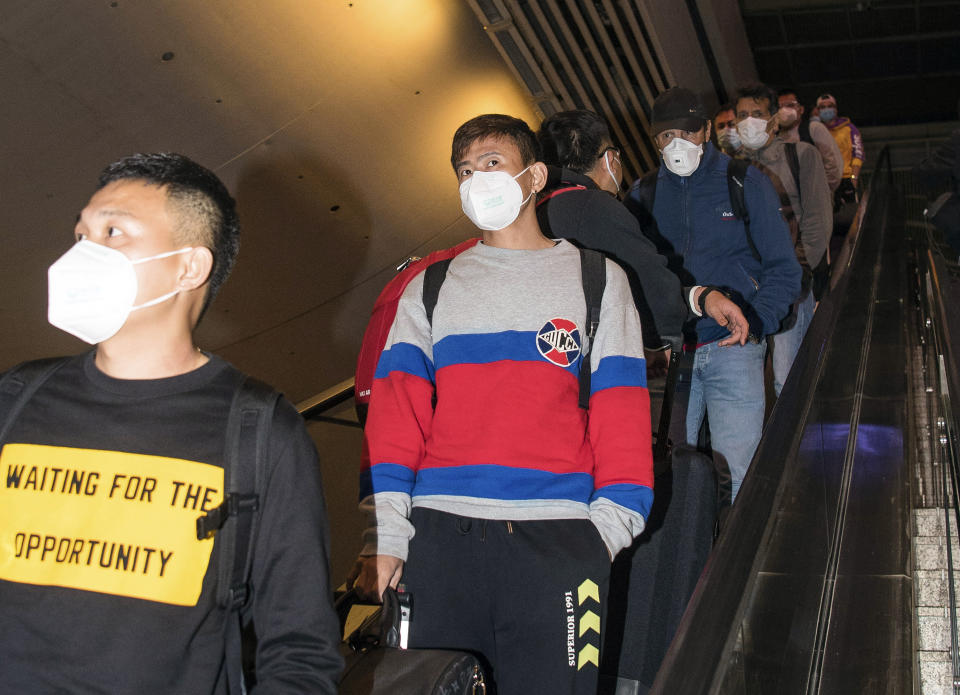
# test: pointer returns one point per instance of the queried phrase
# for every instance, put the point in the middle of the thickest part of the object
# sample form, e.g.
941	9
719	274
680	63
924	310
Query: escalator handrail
326	399
709	627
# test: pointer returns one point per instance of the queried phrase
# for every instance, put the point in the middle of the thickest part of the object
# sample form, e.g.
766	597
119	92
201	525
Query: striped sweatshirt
479	415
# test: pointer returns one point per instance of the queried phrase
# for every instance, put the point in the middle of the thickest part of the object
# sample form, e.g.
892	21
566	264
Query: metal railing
709	653
315	407
939	291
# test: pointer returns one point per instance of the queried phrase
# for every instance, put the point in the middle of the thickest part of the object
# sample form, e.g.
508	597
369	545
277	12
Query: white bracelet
693	305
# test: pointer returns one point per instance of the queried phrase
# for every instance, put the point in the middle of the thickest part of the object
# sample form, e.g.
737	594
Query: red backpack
381	318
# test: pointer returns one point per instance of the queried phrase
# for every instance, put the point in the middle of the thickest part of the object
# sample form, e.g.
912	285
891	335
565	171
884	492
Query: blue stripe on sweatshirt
616	371
484	348
504	483
405	357
385	477
637	498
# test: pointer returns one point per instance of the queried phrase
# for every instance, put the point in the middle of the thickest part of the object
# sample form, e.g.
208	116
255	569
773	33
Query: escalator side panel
864	655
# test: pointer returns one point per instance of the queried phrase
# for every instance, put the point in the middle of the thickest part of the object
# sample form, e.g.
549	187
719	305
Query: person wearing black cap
695	224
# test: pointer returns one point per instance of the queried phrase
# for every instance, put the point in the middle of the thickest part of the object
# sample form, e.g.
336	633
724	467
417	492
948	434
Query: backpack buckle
232	505
237	596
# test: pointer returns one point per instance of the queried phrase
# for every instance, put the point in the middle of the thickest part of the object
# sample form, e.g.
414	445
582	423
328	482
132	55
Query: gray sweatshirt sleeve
816	213
829	151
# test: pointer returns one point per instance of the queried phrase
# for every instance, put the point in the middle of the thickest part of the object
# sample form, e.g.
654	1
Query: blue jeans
726	383
786	345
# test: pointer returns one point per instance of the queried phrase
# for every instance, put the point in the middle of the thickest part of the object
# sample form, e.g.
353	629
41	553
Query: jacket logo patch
727	215
559	342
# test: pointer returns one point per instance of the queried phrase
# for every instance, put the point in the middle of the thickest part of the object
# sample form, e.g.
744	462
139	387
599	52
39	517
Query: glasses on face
756	113
723	125
664	138
790	105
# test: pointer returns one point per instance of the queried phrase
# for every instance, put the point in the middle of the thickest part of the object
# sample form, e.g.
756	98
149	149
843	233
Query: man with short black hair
584	175
795	128
697	227
499	498
115	574
799	169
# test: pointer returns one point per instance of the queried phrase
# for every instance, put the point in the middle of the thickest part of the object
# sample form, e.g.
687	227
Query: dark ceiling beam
877	80
900	38
813	8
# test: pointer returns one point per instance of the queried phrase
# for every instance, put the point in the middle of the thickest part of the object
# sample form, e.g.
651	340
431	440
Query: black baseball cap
680	108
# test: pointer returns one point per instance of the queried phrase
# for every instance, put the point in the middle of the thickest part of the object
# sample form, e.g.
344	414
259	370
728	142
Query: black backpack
593	272
248	430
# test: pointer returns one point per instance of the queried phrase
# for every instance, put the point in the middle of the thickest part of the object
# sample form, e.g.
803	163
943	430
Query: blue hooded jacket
707	245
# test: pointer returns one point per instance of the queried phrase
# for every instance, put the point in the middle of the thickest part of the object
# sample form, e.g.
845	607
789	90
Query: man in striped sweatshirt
491	492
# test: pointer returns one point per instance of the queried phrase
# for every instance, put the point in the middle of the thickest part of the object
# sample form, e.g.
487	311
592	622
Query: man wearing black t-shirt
104	583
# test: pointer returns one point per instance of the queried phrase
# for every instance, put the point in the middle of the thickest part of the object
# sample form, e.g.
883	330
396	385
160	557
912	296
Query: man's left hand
658	361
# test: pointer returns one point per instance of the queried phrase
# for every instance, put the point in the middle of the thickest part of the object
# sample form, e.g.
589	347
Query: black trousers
527	596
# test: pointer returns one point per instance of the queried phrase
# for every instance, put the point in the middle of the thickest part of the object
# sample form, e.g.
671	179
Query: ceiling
888	62
330	121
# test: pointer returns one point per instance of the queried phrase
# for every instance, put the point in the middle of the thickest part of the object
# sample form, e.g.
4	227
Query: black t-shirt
572	207
104	586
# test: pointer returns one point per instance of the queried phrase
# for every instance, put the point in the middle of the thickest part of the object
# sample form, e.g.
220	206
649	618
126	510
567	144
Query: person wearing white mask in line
725	130
795	128
799	168
847	137
482	460
728	138
846	197
124	448
688	198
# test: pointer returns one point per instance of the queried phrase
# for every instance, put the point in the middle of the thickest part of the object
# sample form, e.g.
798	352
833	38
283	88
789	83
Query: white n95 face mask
92	288
753	132
682	157
729	139
788	116
492	199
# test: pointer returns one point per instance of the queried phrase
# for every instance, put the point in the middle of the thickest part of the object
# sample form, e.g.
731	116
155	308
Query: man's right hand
373	573
726	313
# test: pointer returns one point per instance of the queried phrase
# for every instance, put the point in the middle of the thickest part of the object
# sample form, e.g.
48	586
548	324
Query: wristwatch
702	299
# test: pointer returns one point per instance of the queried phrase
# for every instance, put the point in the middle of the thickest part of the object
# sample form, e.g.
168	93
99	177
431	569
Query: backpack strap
557	191
736	179
593	272
794	161
647	190
248	436
803	130
640	202
433	278
593	269
19	384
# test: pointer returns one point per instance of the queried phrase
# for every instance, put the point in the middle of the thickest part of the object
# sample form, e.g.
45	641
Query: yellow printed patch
588	655
588	589
589	621
105	521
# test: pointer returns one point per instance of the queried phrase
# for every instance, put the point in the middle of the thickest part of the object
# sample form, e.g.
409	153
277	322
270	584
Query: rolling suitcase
651	581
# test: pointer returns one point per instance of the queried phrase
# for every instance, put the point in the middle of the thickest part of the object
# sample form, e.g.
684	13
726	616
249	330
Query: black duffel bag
376	665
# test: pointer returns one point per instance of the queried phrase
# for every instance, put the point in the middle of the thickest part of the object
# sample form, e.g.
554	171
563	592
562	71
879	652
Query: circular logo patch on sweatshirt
559	342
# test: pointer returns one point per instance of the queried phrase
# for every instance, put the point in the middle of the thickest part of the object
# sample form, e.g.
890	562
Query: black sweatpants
527	596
